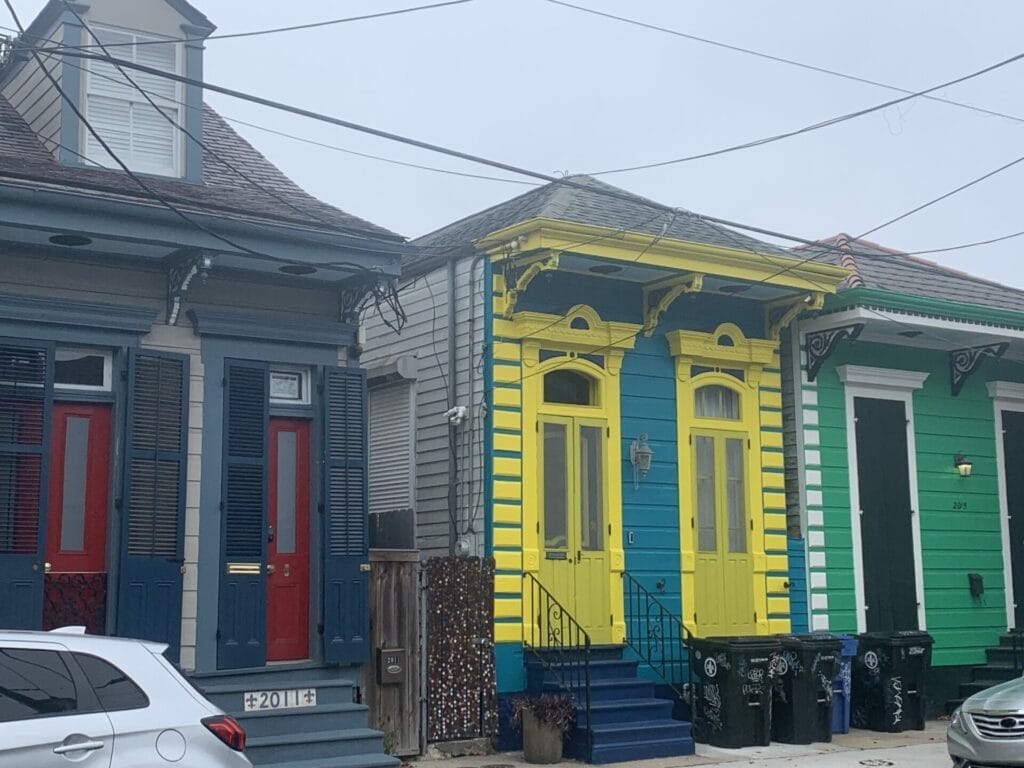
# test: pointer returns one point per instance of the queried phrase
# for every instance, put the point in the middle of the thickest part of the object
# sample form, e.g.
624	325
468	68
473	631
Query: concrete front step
230	697
298	672
1001	672
268	750
323	717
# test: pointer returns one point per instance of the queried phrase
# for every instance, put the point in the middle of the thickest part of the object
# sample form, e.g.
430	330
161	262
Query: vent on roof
6	49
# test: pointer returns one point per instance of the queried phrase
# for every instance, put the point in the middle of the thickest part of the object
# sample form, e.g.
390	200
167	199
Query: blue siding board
798	586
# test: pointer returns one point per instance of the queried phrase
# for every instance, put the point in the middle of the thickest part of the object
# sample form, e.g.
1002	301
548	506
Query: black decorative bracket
350	299
964	362
182	271
821	344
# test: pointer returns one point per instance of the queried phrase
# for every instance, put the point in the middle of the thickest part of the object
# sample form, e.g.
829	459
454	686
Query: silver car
988	730
102	702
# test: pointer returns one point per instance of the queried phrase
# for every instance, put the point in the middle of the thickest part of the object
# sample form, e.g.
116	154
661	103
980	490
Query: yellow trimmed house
621	373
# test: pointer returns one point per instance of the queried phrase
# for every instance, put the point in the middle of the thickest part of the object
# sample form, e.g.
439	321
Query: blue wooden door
242	610
153	506
26	398
346	583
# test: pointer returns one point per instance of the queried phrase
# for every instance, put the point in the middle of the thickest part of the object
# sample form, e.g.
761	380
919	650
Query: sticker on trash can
710	667
871	660
781	667
916	651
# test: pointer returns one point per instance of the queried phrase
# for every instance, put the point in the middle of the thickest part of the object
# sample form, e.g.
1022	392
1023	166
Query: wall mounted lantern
963	465
640	454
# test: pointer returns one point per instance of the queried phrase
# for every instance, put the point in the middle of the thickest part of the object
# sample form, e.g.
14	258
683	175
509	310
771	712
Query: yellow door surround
580	341
718	357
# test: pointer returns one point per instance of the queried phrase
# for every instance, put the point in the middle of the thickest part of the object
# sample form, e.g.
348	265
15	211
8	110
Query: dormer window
136	132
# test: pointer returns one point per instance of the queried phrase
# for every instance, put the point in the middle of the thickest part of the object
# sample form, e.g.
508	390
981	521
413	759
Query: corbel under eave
659	295
811	301
515	285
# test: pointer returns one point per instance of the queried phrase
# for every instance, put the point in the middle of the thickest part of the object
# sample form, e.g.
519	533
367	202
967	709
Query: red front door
288	550
75	586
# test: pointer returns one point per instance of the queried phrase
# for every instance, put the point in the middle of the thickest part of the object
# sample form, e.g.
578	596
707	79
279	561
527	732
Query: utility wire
783	60
272	31
568	182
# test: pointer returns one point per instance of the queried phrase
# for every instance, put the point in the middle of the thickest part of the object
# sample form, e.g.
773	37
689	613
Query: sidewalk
877	744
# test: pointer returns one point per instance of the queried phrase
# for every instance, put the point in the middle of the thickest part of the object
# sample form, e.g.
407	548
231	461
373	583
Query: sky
550	88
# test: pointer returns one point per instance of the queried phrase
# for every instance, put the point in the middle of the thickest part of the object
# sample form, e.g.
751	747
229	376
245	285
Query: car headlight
958	721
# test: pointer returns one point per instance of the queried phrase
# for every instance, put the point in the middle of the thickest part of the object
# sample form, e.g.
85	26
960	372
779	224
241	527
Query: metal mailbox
391	666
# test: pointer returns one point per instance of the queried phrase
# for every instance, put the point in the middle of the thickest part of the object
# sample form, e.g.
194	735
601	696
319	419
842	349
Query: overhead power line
259	32
784	60
508	167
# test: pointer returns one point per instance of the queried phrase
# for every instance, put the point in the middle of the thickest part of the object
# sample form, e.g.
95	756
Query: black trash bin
889	673
732	704
802	689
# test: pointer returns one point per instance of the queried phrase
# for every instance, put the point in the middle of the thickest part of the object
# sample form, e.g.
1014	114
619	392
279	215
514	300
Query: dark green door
1013	457
890	591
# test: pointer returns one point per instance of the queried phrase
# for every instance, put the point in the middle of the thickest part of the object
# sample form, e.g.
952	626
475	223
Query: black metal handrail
1018	650
560	643
658	636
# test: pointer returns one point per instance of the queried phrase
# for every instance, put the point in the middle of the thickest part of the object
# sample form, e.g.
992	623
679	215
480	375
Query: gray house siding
425	336
31	94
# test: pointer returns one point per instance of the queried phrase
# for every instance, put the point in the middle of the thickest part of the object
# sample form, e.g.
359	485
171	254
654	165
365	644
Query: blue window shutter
241	629
346	585
26	400
153	511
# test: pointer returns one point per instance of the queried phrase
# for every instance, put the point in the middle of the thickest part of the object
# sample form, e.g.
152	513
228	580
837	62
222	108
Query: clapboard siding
425	336
953	542
31	93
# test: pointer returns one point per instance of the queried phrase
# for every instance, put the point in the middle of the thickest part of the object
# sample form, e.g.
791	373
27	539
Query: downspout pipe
453	470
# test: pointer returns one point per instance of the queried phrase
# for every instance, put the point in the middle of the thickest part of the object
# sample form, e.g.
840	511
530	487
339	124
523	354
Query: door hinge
693	523
319	629
608	431
224	381
695	618
611	620
221	505
320	507
751	525
748	444
536	426
755	617
609	529
538	526
218	634
691	439
119	504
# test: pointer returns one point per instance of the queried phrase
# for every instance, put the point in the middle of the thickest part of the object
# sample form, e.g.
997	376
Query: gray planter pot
542	743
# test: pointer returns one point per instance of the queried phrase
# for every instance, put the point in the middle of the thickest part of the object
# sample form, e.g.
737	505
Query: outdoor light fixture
640	454
963	465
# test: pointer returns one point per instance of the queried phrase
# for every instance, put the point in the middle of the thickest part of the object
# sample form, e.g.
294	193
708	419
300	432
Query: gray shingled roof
889	270
24	159
599	204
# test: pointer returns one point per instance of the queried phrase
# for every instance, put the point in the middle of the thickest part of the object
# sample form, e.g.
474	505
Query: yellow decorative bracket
659	295
515	284
790	309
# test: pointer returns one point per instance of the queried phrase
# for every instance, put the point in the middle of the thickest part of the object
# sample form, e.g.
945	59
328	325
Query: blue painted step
627	721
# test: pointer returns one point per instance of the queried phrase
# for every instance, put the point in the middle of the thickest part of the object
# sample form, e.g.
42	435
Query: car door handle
82	746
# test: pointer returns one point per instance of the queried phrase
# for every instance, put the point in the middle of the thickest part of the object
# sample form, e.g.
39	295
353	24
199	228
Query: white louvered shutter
391	447
136	132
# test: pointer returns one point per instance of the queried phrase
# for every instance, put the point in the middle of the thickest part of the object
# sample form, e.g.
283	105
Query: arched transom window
714	401
565	387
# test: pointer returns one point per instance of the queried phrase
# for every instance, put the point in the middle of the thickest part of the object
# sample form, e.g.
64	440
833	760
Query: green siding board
954	542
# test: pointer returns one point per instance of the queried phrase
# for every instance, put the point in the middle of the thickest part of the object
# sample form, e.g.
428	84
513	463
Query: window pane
82	369
76	456
716	402
707	534
286	457
736	495
568	388
555	487
113	688
591	485
34	684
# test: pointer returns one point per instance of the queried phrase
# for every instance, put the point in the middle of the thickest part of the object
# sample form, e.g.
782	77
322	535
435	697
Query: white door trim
882	384
1006	396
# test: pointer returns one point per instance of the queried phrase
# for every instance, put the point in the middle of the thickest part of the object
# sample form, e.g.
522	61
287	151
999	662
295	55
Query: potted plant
544	720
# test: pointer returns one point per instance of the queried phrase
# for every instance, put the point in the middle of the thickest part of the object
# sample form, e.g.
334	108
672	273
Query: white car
67	698
988	730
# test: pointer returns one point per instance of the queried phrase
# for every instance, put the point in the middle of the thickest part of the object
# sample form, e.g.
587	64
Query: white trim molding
882	384
1006	396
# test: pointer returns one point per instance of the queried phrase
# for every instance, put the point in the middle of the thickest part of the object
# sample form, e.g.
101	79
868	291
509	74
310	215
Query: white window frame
108	370
882	384
1006	396
177	169
304	382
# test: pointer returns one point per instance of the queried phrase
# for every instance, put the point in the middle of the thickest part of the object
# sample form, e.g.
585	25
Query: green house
904	426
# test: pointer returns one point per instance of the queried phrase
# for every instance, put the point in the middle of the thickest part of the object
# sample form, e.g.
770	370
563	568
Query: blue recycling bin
841	685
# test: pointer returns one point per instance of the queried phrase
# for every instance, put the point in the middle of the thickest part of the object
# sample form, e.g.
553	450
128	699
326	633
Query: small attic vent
6	49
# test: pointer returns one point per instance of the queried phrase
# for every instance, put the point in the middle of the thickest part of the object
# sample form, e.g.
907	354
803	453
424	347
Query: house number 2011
959	506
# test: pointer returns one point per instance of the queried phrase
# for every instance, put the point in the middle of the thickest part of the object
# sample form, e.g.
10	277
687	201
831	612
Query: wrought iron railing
1017	634
560	643
657	636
